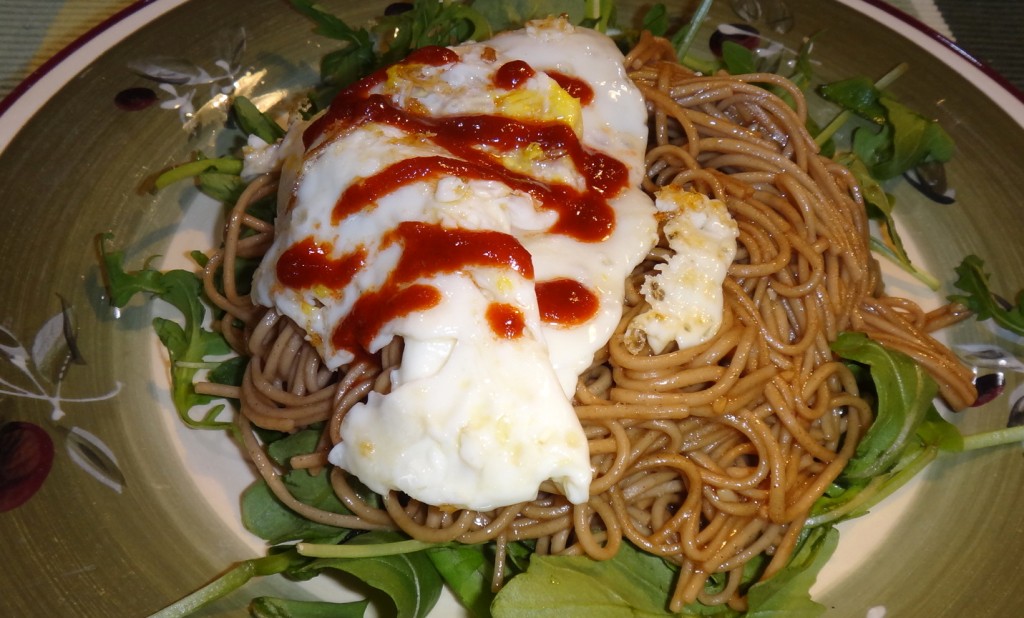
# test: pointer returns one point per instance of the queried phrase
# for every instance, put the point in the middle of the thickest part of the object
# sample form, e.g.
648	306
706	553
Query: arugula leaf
857	94
905	392
341	67
979	298
511	14
229	372
906	435
940	433
905	138
314	489
630	584
879	205
268	518
409	579
901	455
189	346
226	188
655	20
467	571
787	593
803	67
738	59
849	499
287	446
904	141
254	122
634	583
915	140
518	555
330	26
428	22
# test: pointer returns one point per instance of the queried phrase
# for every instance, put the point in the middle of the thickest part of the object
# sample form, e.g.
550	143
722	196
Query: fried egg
480	203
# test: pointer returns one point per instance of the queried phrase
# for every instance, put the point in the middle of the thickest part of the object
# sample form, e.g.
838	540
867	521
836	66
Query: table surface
31	31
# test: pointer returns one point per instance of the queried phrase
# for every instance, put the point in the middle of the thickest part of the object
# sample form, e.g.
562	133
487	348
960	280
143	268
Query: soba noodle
706	456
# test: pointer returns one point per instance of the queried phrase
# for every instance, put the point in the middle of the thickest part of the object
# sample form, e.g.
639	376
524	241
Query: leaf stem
197	364
317	550
884	250
998	437
684	38
224	165
229	582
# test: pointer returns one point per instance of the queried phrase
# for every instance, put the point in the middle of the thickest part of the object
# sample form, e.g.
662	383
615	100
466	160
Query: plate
135	512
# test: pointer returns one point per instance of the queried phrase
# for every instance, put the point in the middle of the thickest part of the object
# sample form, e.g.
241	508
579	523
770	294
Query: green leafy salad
888	140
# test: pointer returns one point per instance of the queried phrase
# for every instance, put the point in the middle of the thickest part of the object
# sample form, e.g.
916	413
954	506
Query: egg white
472	420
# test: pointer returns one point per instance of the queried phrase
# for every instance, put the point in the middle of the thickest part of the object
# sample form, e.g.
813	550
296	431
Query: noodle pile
706	456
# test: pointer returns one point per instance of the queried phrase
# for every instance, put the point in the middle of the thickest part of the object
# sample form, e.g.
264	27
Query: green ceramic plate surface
136	512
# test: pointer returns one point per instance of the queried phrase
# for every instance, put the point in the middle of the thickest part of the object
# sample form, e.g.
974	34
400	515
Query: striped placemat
31	31
992	31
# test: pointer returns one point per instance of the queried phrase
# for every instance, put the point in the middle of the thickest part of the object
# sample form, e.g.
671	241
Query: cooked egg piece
472	419
685	293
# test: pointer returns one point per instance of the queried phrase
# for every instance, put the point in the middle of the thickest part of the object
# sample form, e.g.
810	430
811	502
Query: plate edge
9	105
867	6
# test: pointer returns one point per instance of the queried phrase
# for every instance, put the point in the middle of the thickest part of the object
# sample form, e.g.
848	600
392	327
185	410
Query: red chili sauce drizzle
506	321
565	302
576	87
427	250
512	74
430	249
305	264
